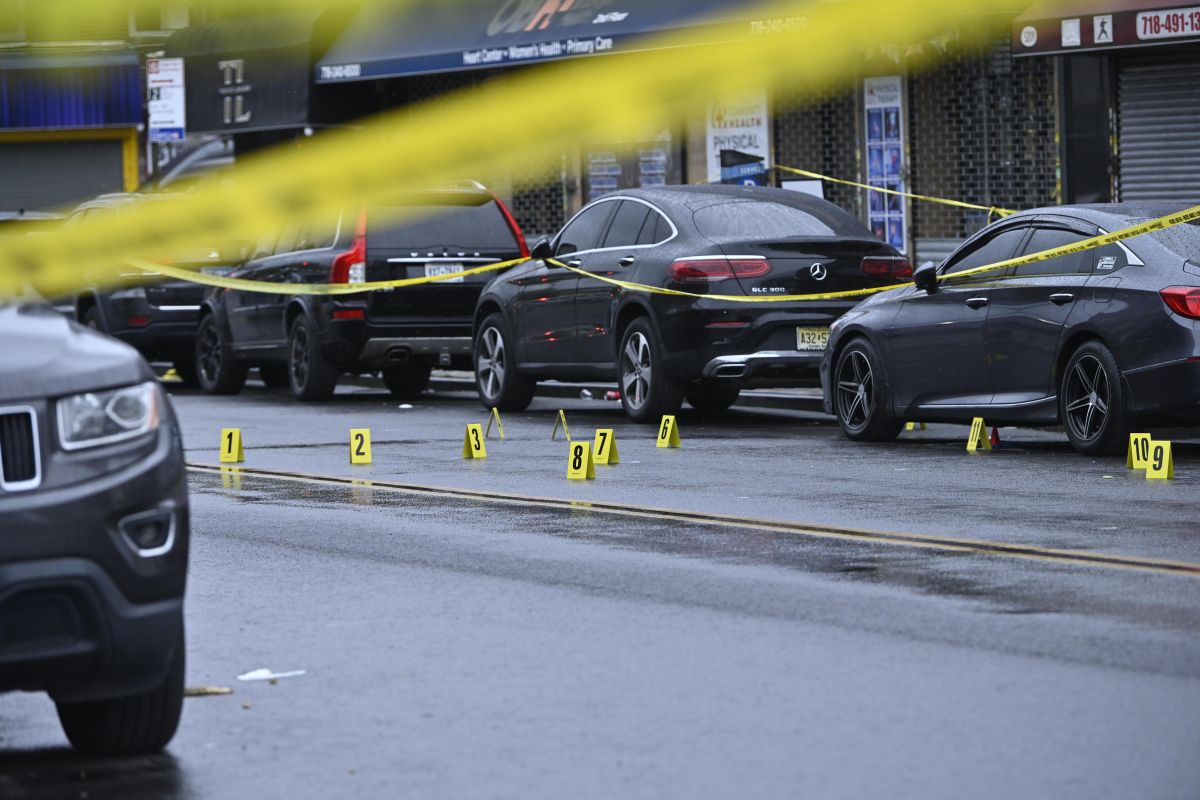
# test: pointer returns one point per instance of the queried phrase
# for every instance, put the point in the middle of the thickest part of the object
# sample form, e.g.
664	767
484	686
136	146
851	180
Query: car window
265	246
986	251
1047	239
627	224
288	237
1110	258
469	222
655	229
754	219
583	233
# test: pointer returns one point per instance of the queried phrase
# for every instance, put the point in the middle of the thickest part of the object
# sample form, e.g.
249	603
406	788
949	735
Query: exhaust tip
399	354
731	371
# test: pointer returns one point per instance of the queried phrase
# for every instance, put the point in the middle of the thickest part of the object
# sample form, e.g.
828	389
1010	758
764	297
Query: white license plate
812	338
432	270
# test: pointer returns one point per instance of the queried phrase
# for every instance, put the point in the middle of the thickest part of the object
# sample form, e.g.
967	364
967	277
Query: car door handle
1062	298
976	302
575	263
627	261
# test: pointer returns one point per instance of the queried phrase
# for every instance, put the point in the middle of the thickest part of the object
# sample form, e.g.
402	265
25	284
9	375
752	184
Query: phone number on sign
1165	24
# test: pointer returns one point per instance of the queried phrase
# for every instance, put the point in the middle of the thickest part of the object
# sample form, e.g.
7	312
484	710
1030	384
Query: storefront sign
165	99
885	125
1103	31
739	139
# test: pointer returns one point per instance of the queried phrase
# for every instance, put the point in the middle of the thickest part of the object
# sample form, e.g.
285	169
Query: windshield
754	219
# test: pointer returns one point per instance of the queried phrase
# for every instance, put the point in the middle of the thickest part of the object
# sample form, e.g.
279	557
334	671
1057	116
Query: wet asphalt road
458	648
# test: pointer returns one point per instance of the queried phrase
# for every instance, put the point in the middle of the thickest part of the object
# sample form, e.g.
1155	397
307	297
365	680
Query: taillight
887	267
1183	300
717	269
351	266
511	221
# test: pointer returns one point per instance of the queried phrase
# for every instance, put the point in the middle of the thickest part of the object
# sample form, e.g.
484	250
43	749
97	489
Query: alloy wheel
855	389
1089	397
209	357
299	356
490	365
636	370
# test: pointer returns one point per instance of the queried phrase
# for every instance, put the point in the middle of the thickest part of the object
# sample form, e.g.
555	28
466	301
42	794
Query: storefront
385	61
68	126
1130	96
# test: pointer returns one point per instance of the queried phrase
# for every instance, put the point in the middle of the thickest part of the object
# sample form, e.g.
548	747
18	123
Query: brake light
343	314
1183	300
351	266
718	268
511	221
887	267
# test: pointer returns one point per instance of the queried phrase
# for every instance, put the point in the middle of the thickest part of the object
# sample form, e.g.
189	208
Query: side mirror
925	277
541	249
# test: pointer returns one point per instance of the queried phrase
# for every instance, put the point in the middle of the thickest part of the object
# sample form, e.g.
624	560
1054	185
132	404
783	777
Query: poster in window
883	109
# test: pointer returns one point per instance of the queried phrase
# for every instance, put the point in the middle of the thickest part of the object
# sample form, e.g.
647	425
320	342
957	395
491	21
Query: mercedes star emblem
818	272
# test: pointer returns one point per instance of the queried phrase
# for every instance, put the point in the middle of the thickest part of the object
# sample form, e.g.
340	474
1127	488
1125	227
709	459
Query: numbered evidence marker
978	439
473	445
1139	451
668	432
360	445
606	447
580	466
1160	466
231	446
495	417
561	419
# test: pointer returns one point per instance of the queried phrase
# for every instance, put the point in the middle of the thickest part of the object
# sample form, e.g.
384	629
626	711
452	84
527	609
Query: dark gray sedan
1097	341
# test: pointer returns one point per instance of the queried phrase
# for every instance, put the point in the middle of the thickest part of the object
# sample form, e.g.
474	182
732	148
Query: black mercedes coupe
543	321
1096	341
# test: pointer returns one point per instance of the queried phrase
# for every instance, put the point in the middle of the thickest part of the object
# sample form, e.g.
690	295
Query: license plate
217	272
432	270
812	338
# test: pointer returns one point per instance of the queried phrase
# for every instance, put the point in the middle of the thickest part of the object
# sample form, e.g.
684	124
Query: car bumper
764	364
398	349
83	613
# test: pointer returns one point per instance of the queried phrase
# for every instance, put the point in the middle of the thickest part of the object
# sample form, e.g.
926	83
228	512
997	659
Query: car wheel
311	374
647	391
406	380
137	724
496	377
274	376
861	400
1092	402
185	367
712	397
216	369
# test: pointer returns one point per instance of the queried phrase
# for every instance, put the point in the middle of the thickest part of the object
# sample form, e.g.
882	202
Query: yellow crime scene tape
992	210
608	98
267	287
1168	221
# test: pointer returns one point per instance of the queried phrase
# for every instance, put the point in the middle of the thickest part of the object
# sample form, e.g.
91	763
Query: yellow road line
947	543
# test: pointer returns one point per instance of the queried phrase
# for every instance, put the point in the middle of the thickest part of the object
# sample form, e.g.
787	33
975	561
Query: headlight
96	418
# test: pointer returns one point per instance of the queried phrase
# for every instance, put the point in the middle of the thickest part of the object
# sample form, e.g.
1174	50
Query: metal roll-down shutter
1158	98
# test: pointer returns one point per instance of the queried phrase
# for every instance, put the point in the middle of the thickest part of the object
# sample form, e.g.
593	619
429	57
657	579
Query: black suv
308	341
94	516
157	317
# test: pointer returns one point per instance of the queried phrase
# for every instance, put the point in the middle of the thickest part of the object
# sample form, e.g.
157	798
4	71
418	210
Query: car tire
138	724
217	371
496	378
1093	406
312	376
274	376
185	367
647	391
712	397
406	380
861	396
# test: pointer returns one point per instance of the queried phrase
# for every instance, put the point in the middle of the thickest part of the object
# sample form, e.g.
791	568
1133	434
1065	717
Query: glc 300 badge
818	272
